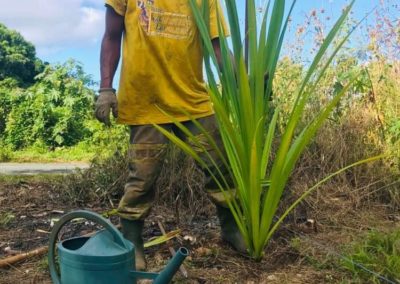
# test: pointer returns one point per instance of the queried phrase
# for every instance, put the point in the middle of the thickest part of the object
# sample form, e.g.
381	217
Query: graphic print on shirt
157	22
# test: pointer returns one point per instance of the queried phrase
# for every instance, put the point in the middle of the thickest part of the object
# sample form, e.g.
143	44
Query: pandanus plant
248	123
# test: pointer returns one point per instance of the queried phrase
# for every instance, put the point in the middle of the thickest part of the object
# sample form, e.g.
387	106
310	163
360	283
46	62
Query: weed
378	252
43	264
6	218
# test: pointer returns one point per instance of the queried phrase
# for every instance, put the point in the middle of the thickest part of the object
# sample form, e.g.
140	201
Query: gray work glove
106	101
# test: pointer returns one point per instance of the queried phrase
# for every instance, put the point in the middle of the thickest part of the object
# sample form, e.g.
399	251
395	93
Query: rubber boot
132	231
230	231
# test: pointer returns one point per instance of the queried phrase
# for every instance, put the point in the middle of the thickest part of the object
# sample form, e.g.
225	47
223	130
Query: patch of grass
378	252
103	143
43	264
5	219
80	152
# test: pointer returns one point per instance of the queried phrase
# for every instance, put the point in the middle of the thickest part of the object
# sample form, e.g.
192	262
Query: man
161	73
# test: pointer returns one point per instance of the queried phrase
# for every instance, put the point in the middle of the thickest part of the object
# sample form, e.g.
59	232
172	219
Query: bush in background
53	111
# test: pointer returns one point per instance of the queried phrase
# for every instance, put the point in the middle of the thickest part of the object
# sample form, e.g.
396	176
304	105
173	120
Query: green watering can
104	258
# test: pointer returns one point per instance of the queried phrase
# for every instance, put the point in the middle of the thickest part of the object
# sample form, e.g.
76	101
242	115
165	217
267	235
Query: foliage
17	57
6	153
378	252
53	111
7	87
47	110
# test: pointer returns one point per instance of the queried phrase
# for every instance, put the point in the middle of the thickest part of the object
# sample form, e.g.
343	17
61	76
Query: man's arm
111	47
109	58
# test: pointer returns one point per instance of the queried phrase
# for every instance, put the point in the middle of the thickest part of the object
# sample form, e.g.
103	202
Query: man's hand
106	101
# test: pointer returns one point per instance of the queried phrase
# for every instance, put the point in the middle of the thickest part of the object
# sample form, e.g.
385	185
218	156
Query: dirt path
40	168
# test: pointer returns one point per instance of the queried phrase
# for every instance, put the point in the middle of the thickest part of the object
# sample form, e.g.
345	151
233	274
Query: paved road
40	168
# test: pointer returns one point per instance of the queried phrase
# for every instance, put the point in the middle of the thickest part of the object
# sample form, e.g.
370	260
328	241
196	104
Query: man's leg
229	229
145	154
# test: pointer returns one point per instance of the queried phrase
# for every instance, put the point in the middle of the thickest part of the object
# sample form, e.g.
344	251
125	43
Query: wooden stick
8	261
182	268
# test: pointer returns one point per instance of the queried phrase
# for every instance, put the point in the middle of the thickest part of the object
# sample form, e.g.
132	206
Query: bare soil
301	252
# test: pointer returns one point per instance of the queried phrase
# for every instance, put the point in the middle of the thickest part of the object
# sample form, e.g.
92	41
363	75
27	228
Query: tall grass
247	122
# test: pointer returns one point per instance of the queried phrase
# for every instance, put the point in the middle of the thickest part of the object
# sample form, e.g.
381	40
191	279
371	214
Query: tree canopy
17	57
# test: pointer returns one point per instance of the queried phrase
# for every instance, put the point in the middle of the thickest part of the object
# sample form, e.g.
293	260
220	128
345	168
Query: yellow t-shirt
162	61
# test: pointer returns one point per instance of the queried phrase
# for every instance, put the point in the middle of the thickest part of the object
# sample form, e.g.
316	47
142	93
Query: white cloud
53	25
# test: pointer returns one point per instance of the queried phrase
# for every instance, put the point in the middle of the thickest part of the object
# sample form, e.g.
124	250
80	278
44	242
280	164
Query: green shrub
6	153
53	110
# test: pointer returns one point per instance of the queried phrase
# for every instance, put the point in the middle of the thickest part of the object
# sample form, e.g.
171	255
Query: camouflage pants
146	155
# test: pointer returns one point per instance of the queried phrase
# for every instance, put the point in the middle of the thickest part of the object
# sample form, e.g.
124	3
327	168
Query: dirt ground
301	252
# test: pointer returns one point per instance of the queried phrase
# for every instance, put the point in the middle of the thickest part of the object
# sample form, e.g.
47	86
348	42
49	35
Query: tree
17	57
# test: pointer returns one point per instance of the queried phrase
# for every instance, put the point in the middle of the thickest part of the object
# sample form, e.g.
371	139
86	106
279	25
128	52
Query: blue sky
62	29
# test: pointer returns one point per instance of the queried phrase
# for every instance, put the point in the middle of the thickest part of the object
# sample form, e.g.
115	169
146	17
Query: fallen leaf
162	239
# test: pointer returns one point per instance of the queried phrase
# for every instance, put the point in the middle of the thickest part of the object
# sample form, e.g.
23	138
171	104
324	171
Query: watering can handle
91	216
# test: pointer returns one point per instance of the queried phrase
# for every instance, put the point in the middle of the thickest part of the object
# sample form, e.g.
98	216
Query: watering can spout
166	275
